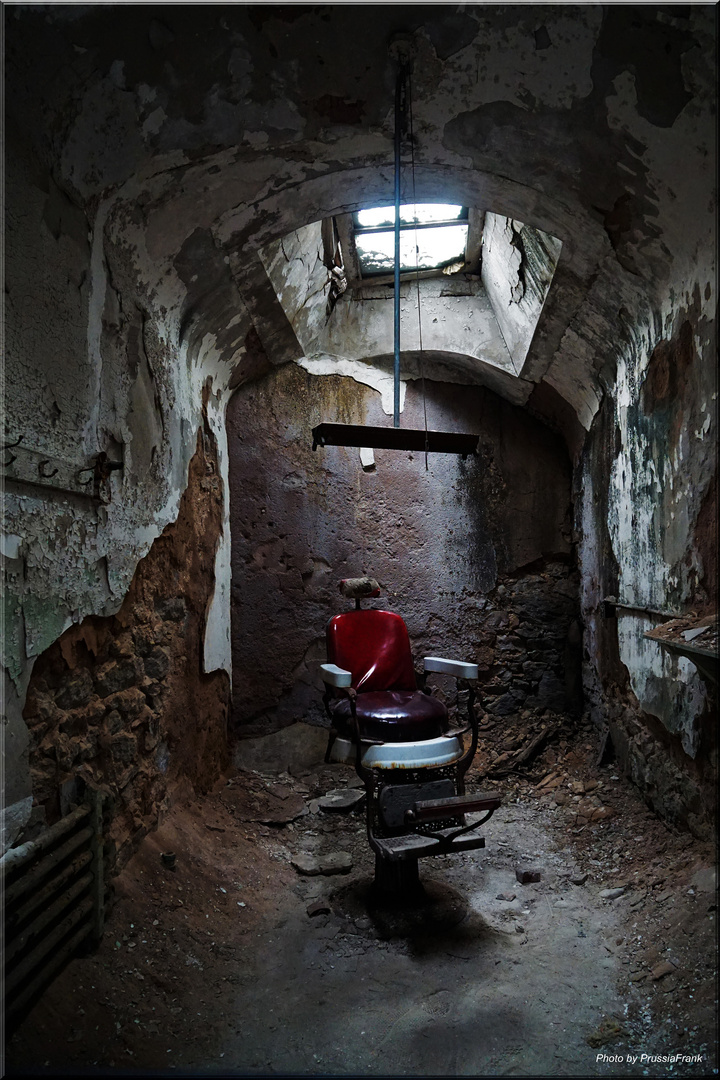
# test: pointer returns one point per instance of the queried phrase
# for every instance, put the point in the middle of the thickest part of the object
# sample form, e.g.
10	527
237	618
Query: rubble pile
259	872
701	633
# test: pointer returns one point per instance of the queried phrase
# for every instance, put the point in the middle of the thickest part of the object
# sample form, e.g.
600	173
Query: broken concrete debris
662	969
341	800
335	862
613	894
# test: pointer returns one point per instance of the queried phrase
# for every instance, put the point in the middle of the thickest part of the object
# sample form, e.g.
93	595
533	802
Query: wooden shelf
705	660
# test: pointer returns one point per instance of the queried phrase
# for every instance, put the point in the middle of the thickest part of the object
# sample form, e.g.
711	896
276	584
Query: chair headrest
359	588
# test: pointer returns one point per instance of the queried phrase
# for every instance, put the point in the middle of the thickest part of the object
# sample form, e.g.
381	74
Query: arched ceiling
194	135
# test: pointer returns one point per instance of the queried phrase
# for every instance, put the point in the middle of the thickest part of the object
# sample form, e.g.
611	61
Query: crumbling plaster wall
456	548
112	360
590	123
649	540
458	312
518	263
121	702
192	138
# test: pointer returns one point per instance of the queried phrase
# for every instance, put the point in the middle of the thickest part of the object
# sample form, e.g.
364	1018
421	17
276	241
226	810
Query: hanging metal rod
402	50
399	91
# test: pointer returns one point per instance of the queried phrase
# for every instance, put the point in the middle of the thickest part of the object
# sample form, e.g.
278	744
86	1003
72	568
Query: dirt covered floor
237	963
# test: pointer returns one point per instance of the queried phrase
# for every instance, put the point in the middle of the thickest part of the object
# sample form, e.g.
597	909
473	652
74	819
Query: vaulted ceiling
198	135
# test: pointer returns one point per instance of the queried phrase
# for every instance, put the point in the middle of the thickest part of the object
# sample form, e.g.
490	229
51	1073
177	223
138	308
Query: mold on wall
123	702
472	554
655	440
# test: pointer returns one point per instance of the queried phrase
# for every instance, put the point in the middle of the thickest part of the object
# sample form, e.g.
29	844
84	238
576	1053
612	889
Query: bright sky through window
409	214
440	238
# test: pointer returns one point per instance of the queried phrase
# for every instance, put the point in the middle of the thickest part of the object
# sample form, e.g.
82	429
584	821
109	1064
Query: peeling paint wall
645	491
156	157
456	315
456	318
518	263
298	274
122	702
105	368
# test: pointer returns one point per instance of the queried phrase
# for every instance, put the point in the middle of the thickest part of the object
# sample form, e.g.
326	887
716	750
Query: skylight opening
432	236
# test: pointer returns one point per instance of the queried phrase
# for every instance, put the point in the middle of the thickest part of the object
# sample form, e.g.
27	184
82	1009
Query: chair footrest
436	809
416	846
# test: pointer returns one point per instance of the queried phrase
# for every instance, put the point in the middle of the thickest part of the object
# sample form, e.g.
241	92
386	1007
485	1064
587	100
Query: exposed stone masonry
529	651
122	702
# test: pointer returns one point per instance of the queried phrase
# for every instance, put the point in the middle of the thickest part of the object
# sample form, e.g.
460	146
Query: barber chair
385	722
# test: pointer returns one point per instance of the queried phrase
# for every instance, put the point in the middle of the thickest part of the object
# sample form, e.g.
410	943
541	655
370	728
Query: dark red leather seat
374	646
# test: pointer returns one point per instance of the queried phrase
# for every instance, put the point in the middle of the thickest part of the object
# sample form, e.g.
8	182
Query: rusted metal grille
54	902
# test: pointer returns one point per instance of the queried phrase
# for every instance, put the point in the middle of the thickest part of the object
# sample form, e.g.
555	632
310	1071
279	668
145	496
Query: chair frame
430	826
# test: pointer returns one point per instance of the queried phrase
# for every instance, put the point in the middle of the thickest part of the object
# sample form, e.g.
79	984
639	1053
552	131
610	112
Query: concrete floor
513	989
221	969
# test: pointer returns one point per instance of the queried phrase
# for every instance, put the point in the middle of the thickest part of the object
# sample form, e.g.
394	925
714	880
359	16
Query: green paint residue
45	621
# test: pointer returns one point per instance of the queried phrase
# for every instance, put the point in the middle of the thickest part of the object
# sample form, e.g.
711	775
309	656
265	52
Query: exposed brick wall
682	790
122	702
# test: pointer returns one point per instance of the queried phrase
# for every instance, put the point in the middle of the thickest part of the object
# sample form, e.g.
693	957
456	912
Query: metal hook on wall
12	457
42	470
91	476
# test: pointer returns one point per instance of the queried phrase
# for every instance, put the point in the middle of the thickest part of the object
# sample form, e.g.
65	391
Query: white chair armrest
451	667
335	676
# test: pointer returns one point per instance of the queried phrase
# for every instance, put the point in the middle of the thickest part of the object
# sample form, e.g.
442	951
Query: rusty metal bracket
611	605
103	468
103	465
30	468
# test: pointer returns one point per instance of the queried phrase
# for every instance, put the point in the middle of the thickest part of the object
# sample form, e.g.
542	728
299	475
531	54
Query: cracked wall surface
518	264
154	155
656	441
122	702
475	324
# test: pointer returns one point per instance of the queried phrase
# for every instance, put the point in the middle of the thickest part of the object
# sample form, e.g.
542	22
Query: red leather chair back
375	647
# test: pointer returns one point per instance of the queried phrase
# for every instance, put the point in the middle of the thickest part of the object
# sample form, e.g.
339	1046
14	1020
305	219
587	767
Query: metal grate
54	901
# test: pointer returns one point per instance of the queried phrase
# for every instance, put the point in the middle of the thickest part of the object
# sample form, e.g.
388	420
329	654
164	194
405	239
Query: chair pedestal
397	879
400	905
